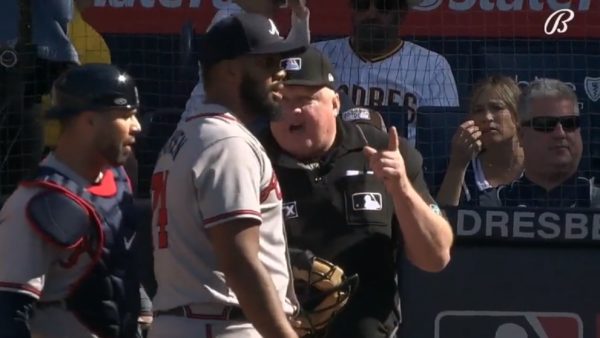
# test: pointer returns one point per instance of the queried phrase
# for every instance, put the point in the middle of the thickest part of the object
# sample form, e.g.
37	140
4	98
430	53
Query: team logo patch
367	201
592	87
290	210
504	324
291	64
435	208
356	114
273	29
120	101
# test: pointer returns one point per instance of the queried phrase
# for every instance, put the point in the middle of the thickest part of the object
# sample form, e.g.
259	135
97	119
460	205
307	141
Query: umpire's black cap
310	68
93	87
245	34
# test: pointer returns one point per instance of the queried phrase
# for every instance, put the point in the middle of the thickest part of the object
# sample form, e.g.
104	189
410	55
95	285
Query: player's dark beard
110	150
257	99
374	38
113	154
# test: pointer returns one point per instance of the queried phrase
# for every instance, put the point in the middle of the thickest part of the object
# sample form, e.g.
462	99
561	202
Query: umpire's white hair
545	88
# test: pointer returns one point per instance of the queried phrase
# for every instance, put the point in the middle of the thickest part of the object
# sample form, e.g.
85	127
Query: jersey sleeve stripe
244	213
21	288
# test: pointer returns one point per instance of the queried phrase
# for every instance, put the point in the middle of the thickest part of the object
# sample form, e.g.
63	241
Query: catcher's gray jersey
38	268
409	76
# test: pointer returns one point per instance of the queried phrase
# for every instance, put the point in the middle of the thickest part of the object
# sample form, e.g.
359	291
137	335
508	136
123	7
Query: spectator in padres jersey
551	138
67	235
376	67
485	151
219	243
352	195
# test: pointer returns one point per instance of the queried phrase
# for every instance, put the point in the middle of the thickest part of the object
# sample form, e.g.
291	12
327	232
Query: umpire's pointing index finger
393	141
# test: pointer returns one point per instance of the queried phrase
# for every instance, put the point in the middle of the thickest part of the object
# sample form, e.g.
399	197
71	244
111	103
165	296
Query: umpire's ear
336	103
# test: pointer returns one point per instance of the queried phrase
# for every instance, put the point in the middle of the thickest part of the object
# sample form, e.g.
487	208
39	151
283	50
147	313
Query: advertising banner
464	18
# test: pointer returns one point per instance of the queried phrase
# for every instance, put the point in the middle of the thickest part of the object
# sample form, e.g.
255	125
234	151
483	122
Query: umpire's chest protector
338	204
106	297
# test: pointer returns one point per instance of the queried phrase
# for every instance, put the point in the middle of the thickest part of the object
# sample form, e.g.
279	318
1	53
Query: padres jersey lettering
409	77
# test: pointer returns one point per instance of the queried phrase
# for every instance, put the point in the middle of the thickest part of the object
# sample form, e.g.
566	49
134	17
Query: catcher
352	195
68	234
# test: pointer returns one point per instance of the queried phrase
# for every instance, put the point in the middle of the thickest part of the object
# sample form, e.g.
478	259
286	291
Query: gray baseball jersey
410	76
212	170
38	268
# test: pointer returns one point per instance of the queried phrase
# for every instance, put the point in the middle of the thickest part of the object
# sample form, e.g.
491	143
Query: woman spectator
485	149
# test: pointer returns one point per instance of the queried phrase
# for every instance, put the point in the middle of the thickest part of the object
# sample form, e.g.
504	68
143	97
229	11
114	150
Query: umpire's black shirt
575	192
339	210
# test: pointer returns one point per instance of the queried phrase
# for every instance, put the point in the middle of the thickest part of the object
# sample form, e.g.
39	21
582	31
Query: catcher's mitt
322	290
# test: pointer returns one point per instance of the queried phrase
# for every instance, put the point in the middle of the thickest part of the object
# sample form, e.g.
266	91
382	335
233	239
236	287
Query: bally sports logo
558	20
506	324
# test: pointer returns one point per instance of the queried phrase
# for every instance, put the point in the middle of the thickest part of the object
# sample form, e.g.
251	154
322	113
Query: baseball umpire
351	195
66	234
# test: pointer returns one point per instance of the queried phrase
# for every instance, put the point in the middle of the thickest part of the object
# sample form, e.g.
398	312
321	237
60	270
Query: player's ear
88	118
232	69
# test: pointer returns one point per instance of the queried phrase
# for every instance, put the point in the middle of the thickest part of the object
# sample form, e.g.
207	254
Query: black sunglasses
381	5
546	124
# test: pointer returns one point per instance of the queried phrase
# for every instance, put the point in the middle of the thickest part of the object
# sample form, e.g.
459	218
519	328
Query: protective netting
156	42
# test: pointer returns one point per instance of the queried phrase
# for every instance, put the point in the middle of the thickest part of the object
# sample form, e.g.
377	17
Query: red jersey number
159	201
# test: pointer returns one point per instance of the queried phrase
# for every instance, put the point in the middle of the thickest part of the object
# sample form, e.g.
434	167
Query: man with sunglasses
551	138
376	67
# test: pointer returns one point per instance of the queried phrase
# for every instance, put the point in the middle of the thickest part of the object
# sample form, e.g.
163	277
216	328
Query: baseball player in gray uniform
219	245
298	32
67	234
376	67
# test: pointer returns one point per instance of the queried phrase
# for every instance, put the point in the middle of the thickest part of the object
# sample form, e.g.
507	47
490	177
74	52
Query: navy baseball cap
310	68
245	34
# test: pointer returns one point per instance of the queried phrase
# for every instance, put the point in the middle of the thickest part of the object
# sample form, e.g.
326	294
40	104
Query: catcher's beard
257	99
372	37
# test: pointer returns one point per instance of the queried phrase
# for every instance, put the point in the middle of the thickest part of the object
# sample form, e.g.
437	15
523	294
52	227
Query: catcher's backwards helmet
94	87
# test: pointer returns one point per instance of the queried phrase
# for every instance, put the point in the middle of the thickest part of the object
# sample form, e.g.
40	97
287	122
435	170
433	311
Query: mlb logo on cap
293	64
506	324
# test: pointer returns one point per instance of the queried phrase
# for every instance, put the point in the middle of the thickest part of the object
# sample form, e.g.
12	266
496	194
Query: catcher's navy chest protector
98	222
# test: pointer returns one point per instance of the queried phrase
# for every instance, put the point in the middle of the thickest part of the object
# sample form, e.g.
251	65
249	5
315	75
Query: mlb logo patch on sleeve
500	324
366	201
